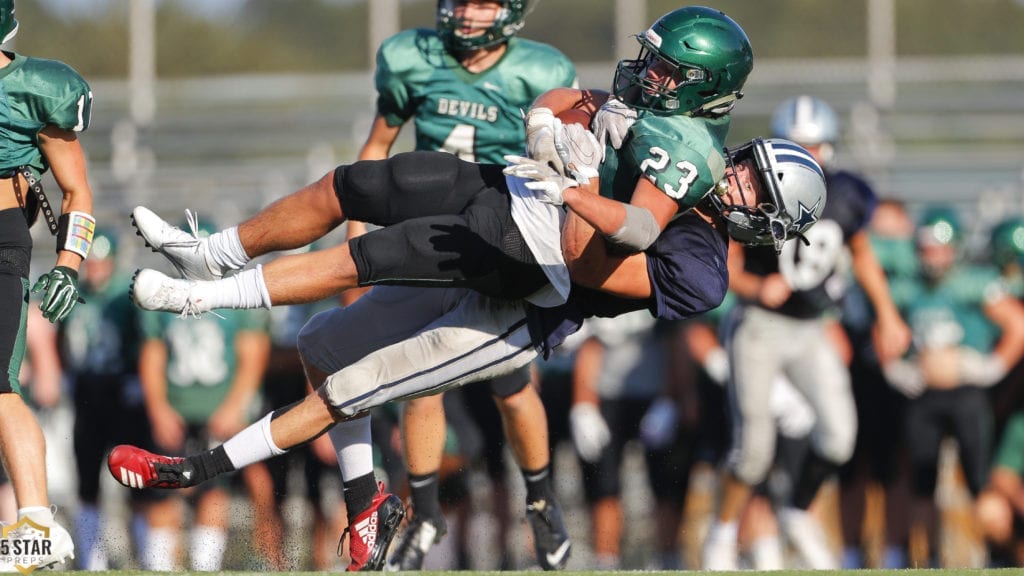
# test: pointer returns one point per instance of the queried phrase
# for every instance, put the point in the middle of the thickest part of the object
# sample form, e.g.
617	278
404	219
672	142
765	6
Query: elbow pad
638	231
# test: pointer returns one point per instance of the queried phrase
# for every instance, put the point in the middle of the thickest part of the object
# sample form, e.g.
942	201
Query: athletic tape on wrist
75	231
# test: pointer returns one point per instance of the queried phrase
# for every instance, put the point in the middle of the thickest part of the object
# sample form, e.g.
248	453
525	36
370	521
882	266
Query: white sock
808	537
39	514
723	531
88	530
161	549
245	290
206	548
766	553
254	444
225	249
353	443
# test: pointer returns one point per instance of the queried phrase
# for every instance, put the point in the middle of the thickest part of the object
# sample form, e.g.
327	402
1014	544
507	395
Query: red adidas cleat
136	468
370	534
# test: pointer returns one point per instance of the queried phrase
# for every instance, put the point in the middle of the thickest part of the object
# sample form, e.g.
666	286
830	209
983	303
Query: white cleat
62	547
185	250
153	290
56	546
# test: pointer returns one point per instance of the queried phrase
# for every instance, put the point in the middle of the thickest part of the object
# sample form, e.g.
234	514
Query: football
575	116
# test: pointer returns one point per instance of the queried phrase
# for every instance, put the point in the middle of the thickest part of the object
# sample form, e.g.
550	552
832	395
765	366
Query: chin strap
43	203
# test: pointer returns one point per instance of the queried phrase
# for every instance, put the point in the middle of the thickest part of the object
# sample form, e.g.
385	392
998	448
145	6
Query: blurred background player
465	86
877	476
1000	506
46	104
200	377
99	347
623	393
792	297
968	331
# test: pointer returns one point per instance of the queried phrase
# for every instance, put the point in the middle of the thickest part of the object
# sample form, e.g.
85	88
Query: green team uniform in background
101	340
201	357
477	117
951	313
36	93
100	346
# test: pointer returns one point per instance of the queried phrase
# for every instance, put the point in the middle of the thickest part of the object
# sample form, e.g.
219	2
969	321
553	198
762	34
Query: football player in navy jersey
791	296
464	85
45	104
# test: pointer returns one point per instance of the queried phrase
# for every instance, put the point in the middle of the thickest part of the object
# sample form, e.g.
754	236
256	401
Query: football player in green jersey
968	331
45	104
99	347
199	379
464	85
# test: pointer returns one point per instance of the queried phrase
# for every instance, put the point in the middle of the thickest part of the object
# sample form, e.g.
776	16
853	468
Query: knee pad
751	463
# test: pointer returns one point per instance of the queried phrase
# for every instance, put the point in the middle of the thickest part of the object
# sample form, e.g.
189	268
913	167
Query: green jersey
201	356
100	341
476	116
951	313
37	93
682	156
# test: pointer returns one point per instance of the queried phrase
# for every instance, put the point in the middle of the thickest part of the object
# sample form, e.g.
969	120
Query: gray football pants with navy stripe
763	344
400	342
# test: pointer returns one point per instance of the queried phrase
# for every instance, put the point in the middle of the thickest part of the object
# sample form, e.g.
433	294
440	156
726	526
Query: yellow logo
24	544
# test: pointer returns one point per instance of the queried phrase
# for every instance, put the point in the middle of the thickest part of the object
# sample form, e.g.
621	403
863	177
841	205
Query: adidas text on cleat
153	290
185	250
137	468
550	536
371	532
414	543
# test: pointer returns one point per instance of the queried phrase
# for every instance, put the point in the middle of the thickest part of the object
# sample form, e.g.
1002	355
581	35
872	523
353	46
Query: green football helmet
939	225
693	60
8	23
507	24
1007	242
104	244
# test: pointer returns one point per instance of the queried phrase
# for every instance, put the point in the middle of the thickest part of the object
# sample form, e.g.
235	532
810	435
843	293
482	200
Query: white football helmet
794	183
808	121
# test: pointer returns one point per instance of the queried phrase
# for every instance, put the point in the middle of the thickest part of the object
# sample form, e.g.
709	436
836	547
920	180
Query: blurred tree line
324	36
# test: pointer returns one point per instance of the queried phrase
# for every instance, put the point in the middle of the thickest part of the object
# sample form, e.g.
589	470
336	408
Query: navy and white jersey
816	271
687	269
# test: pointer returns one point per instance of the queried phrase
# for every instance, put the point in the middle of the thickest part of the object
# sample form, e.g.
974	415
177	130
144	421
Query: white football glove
794	417
590	432
716	366
979	369
905	377
611	123
547	184
658	426
581	152
543	129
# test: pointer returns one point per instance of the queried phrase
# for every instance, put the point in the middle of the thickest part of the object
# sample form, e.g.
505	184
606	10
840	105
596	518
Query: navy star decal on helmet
795	187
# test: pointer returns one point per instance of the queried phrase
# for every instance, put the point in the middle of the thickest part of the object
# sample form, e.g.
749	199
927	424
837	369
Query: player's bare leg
293	221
